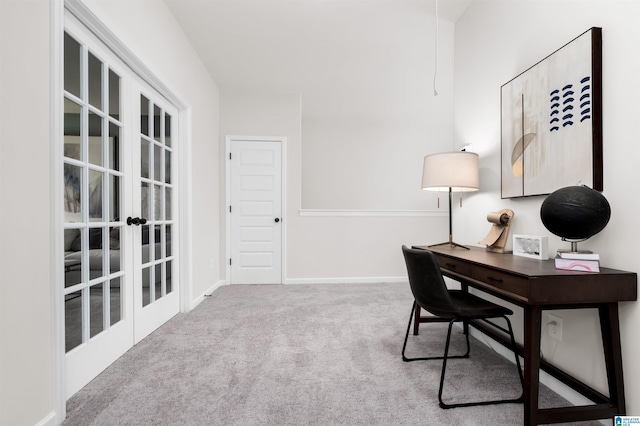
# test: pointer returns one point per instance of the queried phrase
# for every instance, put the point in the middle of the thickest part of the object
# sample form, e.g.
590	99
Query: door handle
136	221
277	219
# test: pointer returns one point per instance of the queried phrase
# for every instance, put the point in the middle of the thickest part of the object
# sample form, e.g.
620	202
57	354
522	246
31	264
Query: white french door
155	261
119	200
256	222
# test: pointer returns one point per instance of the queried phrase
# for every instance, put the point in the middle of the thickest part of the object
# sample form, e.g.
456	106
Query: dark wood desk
536	286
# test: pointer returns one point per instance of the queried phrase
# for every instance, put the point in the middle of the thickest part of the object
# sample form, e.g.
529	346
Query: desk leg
532	329
610	328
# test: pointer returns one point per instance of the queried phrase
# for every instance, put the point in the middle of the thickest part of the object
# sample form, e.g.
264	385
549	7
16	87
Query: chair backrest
427	284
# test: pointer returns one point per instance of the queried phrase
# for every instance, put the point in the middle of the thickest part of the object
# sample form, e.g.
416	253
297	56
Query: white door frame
95	24
283	141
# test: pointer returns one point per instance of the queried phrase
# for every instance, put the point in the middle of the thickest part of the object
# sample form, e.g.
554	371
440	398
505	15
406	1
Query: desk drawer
454	265
501	280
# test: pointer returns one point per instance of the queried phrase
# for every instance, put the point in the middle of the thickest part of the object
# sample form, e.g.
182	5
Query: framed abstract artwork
551	120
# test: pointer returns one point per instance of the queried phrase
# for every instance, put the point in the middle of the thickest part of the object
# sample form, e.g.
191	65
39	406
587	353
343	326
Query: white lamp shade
455	170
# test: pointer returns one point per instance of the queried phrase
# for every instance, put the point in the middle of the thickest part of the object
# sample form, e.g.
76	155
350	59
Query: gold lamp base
449	243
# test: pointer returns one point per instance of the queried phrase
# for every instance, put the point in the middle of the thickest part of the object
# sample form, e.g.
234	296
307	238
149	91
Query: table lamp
453	172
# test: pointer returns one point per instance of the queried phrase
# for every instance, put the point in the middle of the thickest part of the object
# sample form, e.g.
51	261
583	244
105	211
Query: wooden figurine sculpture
496	239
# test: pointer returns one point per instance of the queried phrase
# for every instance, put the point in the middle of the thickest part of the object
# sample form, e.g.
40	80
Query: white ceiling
309	45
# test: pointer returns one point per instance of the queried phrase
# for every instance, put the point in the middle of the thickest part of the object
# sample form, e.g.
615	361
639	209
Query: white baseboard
48	420
195	302
347	280
546	379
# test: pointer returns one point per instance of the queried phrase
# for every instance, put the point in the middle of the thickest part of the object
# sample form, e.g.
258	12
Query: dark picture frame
551	121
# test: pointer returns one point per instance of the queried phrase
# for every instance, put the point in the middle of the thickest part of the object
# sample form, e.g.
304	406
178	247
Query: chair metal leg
434	319
416	320
514	348
519	399
406	336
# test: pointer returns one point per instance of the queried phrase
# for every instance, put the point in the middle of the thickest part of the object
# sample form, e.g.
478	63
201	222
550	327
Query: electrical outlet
554	325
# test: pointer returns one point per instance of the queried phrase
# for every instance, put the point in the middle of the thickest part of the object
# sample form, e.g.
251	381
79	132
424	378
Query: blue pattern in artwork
586	97
566	95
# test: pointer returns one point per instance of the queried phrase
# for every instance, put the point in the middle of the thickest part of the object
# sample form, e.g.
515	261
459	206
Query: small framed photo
531	246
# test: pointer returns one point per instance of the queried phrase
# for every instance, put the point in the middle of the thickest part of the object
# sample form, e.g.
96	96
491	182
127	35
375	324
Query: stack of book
588	262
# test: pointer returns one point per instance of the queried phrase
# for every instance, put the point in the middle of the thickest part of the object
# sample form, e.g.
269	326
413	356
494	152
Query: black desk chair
431	294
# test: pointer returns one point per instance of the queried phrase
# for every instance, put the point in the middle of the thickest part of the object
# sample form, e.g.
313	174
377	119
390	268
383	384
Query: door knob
136	221
277	219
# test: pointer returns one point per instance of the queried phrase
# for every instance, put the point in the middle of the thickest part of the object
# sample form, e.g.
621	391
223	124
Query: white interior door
98	297
120	198
256	222
155	225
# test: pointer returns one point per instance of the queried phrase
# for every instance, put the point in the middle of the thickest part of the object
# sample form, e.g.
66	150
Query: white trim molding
208	292
48	420
348	280
371	213
58	384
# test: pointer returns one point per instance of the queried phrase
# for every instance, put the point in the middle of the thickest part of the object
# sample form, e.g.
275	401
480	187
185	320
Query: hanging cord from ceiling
435	72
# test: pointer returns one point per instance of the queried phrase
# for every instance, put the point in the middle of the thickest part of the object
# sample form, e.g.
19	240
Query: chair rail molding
371	213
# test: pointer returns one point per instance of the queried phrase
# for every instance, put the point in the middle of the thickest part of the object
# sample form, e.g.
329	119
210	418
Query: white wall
363	142
497	40
25	285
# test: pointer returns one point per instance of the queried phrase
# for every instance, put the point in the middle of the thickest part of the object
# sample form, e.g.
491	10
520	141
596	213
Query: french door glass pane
114	146
158	282
157	202
158	242
95	81
95	196
169	271
145	244
157	166
168	241
114	95
167	166
114	249
96	309
73	190
73	259
146	286
96	253
72	144
95	139
116	300
157	115
71	65
167	204
73	319
167	130
144	158
144	197
144	115
114	198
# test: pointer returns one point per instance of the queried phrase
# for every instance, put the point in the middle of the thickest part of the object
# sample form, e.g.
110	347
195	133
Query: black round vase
575	212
